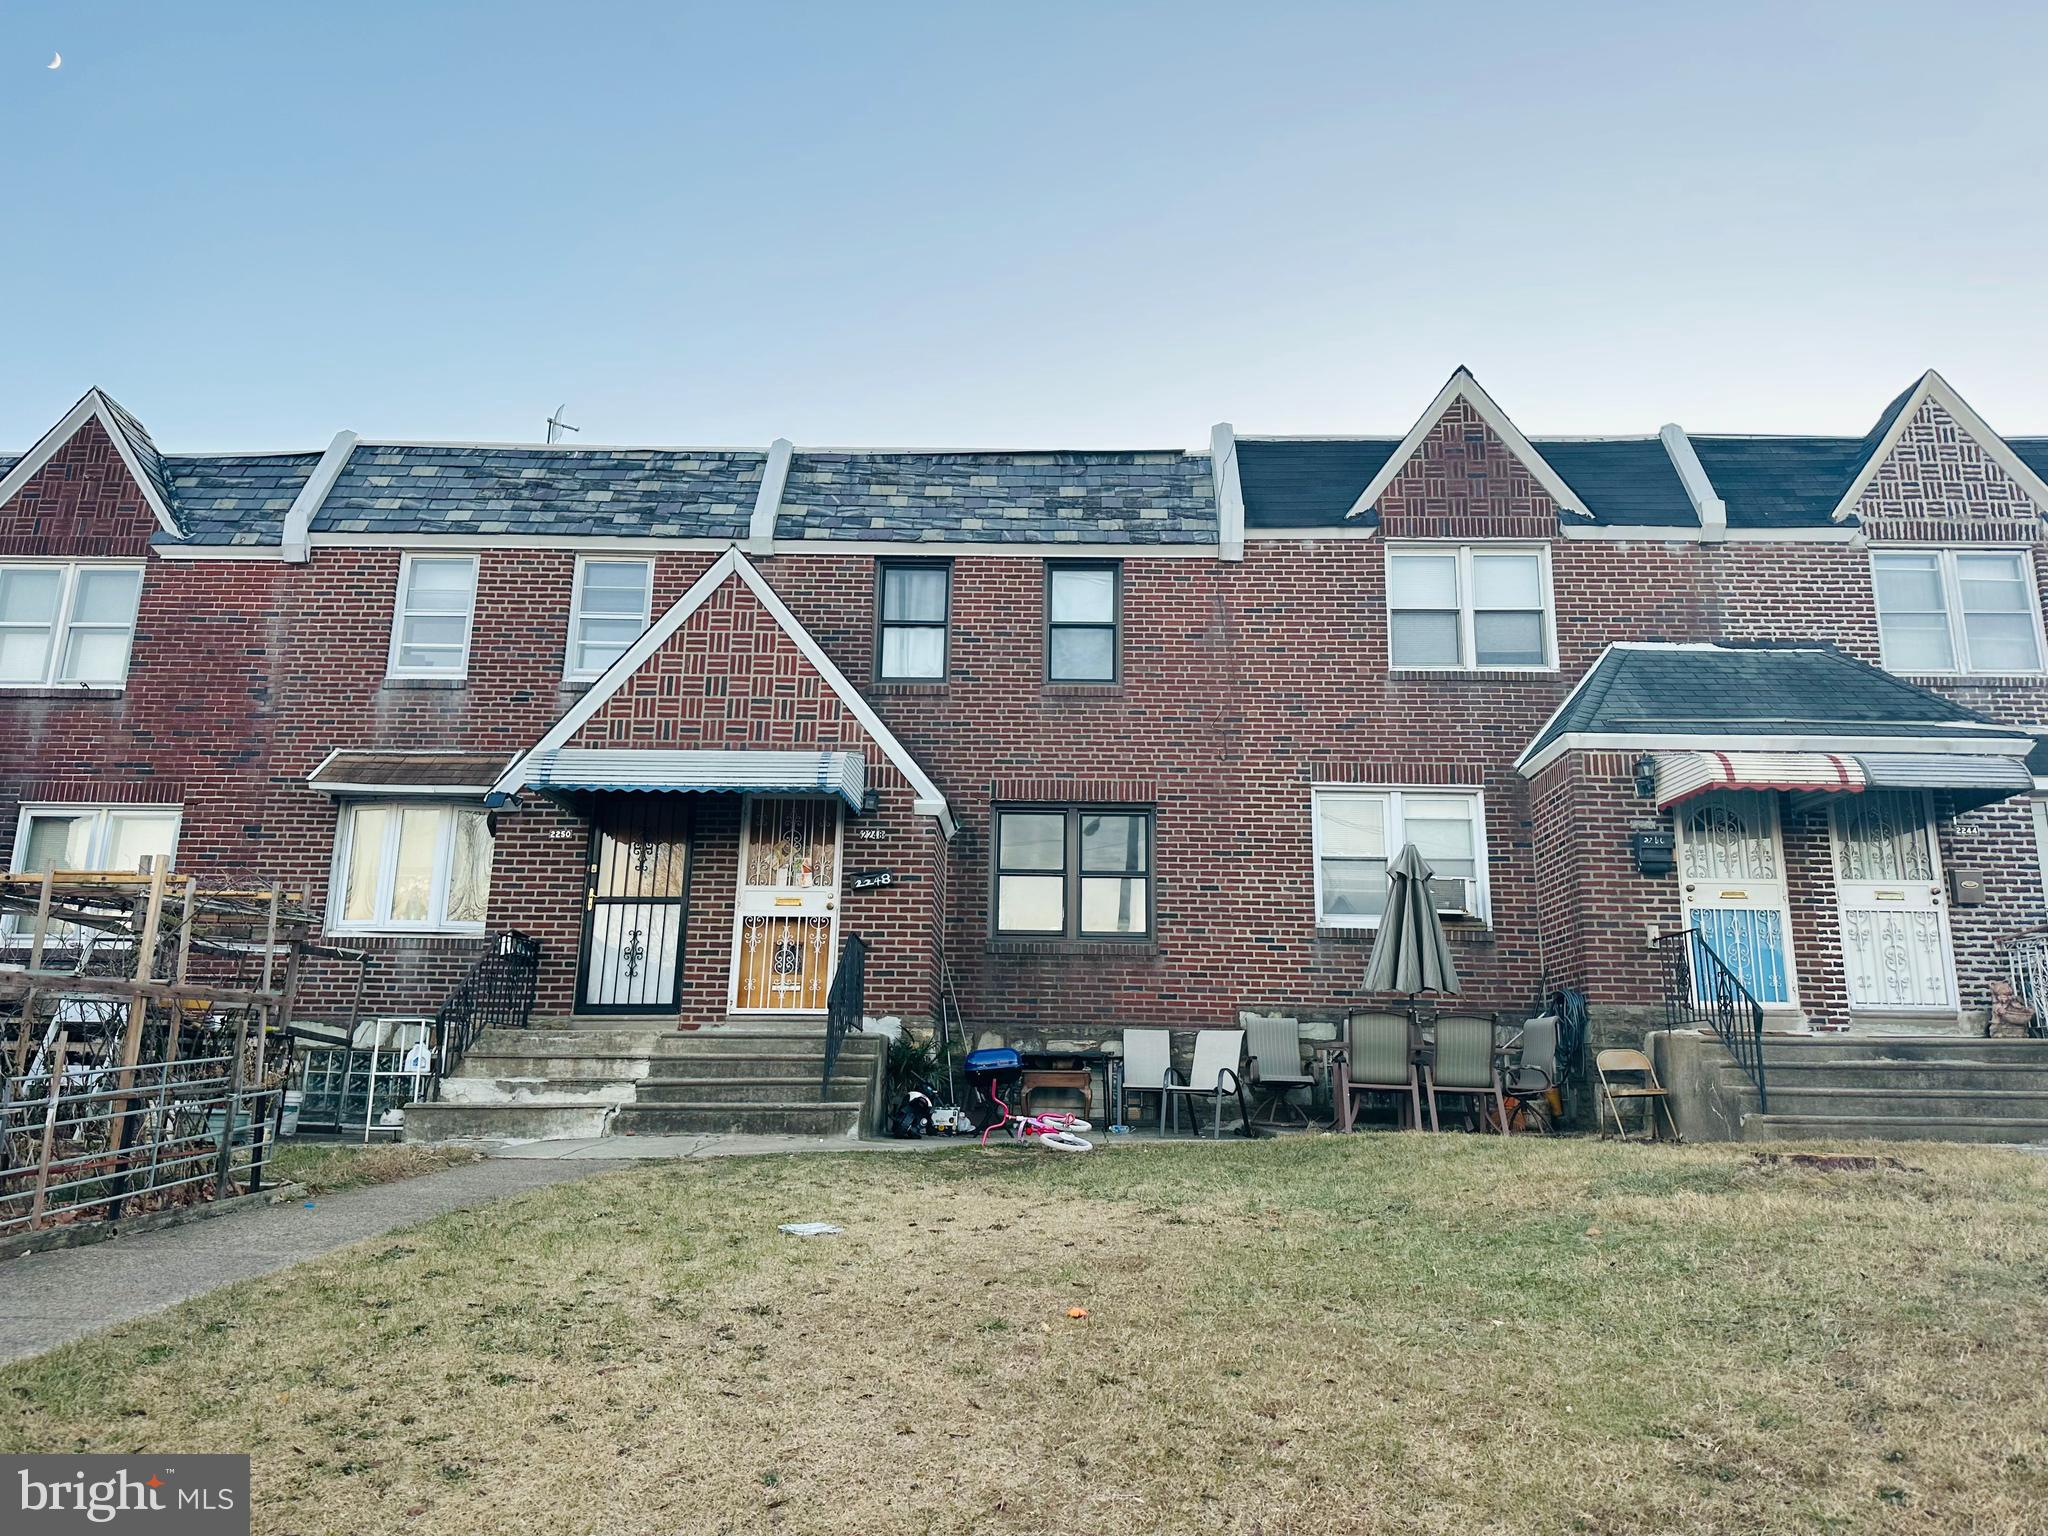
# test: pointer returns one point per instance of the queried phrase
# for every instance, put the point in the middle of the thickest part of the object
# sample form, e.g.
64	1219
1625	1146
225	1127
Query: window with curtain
1956	610
430	631
1358	832
1073	872
915	598
1465	607
608	612
67	623
1083	606
404	866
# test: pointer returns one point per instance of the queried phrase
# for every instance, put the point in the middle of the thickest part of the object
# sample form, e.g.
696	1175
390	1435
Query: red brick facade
1243	685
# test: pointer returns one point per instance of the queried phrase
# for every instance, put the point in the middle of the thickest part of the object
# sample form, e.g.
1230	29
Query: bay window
1073	872
1358	832
430	630
67	623
1956	610
408	867
608	611
1452	608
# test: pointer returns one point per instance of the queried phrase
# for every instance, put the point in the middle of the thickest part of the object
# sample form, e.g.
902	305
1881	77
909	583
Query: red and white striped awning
1681	775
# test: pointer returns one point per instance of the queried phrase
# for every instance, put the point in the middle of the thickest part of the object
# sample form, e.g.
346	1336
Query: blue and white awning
700	770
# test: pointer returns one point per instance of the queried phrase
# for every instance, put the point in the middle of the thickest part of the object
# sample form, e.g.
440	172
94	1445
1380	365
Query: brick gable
82	502
1939	484
732	677
1463	481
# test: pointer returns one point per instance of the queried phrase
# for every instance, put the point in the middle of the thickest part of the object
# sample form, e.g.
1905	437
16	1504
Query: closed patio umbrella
1410	953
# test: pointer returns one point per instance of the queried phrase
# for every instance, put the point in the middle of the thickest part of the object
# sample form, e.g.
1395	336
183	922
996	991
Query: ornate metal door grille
634	899
787	918
1895	943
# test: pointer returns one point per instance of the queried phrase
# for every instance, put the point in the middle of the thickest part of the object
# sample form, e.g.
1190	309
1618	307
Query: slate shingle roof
138	443
1769	688
637	492
234	499
1057	497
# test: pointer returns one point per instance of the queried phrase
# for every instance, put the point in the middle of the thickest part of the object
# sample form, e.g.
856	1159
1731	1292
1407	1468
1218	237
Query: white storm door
786	922
1732	868
1895	940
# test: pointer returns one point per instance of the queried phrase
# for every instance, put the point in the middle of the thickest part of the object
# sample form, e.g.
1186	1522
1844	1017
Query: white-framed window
104	838
1957	610
1461	607
431	622
1358	832
67	623
608	611
403	867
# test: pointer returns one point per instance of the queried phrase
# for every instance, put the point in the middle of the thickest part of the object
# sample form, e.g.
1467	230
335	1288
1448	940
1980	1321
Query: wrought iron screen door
1895	944
1732	867
633	905
786	925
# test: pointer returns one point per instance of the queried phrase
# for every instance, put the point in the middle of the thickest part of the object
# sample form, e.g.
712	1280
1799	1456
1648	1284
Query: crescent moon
56	61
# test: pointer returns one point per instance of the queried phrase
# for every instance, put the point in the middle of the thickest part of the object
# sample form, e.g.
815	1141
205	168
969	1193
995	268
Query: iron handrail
1700	990
498	993
846	1002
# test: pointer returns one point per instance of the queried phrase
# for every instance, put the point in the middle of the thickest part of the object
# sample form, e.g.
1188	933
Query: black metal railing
846	1003
496	994
1700	991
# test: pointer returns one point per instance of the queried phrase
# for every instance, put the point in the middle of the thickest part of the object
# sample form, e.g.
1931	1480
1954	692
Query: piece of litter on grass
1077	1311
810	1229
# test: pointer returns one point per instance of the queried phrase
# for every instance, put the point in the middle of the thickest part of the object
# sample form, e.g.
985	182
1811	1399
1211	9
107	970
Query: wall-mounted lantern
1646	777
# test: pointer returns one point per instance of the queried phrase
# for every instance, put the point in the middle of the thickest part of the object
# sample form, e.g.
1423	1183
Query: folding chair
1218	1070
1467	1061
1148	1057
1379	1056
1276	1069
1649	1090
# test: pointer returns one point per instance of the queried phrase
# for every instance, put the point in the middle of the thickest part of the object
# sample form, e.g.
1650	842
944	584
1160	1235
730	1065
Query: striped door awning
1682	775
1963	779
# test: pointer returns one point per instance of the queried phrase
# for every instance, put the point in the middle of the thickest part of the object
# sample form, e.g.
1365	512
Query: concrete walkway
654	1148
67	1293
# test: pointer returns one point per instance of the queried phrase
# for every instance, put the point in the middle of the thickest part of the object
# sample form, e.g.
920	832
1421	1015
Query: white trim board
1933	386
1462	386
91	405
929	801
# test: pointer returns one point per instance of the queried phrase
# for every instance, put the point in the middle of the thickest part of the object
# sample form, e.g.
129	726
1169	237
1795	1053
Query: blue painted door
1732	867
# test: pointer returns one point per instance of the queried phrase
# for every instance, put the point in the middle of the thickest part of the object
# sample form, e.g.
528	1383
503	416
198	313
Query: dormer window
67	624
1463	608
1956	611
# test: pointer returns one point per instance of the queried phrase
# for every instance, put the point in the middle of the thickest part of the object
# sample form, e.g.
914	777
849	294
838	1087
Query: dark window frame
883	623
1071	874
1115	626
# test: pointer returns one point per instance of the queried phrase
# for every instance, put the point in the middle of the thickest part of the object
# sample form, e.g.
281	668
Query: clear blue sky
1022	224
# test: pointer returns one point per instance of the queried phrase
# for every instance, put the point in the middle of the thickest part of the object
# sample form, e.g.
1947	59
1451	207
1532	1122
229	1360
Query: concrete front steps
575	1080
1896	1087
757	1080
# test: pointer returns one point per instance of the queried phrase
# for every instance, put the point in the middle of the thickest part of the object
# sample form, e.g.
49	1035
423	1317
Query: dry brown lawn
1376	1333
326	1166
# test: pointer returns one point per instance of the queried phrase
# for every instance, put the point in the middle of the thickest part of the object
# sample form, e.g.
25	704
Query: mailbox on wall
1655	852
1966	887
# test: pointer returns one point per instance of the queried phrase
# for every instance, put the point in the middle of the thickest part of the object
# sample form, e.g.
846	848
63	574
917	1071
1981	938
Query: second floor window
1464	608
1073	872
607	613
411	867
1083	609
915	598
430	632
67	623
1955	610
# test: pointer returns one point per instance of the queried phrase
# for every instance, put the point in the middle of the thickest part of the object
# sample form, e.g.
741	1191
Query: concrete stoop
1889	1087
566	1082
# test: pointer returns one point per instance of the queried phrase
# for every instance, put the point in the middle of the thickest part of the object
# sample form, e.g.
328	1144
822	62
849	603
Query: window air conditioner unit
1453	897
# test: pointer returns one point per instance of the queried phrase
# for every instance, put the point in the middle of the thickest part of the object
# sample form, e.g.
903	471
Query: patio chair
1648	1089
1467	1061
1218	1070
1276	1070
1379	1057
1148	1057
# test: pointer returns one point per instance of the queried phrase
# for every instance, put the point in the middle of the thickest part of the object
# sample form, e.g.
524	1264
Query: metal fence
81	1141
1701	992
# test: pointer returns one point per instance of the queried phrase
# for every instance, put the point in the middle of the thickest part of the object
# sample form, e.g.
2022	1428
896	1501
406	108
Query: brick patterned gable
730	677
1939	484
82	502
1463	481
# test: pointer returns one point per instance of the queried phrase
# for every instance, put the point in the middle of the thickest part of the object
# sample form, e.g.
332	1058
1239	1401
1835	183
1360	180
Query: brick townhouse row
1089	738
